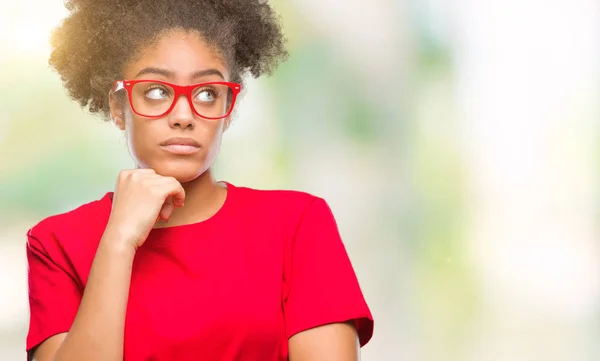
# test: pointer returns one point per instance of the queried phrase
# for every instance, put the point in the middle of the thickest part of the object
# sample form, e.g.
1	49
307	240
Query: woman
174	265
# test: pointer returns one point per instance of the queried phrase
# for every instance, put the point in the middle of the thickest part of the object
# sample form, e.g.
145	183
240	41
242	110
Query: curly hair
99	37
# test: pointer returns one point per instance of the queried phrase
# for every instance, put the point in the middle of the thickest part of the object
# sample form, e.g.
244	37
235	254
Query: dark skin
180	54
185	192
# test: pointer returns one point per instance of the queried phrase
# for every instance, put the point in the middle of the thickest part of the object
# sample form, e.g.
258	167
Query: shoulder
86	218
291	211
287	201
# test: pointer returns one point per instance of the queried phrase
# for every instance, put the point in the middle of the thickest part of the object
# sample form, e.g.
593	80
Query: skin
181	54
178	189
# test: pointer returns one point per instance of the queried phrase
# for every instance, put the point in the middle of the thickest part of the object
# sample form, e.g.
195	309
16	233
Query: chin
183	172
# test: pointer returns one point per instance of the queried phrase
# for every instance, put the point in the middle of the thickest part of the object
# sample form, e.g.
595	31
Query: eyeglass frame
179	90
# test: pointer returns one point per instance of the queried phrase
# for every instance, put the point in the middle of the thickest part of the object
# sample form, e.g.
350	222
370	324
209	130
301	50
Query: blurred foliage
55	157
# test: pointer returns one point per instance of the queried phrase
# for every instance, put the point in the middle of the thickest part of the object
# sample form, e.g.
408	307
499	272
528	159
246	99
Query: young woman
174	266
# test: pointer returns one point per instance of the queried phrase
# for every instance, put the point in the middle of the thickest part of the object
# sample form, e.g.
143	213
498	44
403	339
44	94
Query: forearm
97	331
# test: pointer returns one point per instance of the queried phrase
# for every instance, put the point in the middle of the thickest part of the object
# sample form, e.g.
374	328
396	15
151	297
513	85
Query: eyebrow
170	74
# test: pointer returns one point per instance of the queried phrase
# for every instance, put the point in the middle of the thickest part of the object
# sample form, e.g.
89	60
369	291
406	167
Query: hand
142	197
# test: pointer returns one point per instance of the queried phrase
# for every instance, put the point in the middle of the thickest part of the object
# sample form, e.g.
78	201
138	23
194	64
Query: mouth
182	146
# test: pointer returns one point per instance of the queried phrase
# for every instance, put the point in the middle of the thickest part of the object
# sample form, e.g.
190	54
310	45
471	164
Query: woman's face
178	57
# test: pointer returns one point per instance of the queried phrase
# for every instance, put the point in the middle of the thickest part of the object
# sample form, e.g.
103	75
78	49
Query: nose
182	116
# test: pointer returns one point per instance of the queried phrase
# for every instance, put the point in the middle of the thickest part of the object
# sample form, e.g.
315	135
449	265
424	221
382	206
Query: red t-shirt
268	265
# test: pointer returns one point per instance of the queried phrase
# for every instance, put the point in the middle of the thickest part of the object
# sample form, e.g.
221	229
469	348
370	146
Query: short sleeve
320	285
54	295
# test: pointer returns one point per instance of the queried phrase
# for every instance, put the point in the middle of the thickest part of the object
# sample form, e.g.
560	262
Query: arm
325	311
97	332
333	342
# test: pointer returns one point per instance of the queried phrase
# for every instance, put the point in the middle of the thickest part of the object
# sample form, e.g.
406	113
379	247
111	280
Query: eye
206	95
157	93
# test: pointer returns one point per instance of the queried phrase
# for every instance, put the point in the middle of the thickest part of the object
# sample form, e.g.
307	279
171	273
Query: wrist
117	240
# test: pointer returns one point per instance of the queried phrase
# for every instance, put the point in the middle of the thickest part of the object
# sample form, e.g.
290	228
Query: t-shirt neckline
158	235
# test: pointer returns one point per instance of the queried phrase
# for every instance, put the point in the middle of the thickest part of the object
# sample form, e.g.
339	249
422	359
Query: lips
179	145
181	141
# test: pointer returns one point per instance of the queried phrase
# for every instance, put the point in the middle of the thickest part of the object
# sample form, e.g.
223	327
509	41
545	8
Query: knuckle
124	174
145	182
138	175
156	192
173	183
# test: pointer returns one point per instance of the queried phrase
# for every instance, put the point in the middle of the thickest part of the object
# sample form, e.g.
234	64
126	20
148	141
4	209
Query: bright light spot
32	39
27	26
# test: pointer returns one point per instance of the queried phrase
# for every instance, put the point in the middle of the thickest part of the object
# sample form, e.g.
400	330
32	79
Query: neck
203	198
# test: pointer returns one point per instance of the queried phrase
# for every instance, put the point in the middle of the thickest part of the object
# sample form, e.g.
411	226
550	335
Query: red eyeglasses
155	98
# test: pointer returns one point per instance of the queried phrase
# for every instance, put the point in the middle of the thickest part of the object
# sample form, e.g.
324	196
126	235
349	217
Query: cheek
215	145
139	140
214	134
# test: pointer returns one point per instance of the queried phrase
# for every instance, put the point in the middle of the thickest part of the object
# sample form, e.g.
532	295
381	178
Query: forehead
181	52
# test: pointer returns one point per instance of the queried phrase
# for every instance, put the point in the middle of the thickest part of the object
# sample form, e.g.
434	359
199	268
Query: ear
116	110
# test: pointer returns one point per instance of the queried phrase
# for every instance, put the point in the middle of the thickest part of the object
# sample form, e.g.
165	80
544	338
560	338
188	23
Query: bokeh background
456	141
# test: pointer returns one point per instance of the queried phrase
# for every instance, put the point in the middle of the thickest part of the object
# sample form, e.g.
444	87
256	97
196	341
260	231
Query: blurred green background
456	142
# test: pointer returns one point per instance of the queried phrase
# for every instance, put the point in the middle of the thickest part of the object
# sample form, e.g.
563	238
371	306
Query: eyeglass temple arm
118	85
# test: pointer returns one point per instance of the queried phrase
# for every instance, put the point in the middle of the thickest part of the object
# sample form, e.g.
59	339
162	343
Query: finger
179	197
144	175
167	209
137	175
171	188
178	194
144	170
